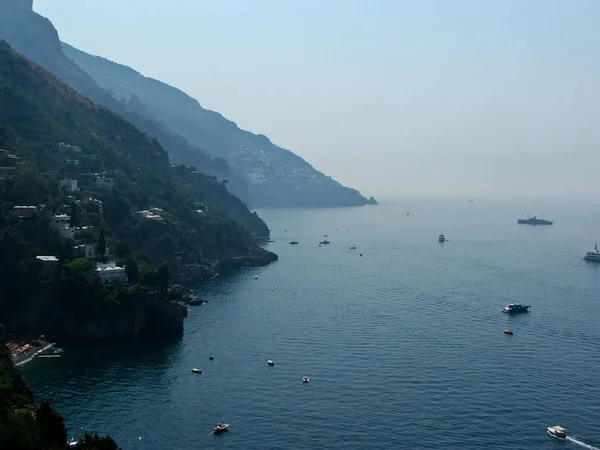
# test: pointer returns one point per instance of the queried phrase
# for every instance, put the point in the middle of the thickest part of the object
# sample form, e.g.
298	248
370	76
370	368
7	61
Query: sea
402	338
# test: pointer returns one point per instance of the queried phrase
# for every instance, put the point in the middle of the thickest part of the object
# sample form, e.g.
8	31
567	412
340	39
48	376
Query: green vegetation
130	206
25	426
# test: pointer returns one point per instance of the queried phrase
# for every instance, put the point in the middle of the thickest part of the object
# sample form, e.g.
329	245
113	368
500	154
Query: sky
397	98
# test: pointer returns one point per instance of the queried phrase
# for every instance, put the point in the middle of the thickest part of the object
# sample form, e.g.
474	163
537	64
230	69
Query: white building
105	183
61	223
110	272
87	251
69	185
49	263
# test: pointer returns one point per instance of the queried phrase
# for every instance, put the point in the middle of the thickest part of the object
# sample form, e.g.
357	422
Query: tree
96	442
101	247
162	277
132	269
74	218
51	426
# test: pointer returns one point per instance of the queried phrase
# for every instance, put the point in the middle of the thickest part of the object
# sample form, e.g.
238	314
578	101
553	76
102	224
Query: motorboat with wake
514	308
557	432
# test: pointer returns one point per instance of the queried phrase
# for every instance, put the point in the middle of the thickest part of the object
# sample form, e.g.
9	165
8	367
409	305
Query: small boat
353	247
211	357
256	277
325	242
441	238
305	379
514	308
220	428
270	362
196	370
325	235
293	242
593	255
557	432
271	240
508	331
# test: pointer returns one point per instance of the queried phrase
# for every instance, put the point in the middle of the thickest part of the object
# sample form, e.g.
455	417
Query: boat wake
582	444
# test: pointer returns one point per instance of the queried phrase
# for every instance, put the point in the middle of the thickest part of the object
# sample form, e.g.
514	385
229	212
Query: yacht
441	238
593	255
220	428
557	432
508	331
513	308
196	370
270	362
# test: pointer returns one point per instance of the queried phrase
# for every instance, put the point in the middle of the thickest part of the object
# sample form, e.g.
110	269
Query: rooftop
47	258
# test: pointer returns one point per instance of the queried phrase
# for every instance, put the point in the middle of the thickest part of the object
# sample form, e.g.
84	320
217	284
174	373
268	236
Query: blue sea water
404	346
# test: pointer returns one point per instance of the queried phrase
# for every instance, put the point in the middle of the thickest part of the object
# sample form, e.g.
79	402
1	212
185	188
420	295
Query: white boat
557	432
196	370
593	255
256	277
221	428
270	362
305	379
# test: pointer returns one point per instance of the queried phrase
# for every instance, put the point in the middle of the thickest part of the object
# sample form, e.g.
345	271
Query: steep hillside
276	177
35	37
121	198
37	111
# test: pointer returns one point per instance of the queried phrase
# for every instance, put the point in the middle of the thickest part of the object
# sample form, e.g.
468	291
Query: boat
196	370
513	308
211	357
441	238
534	221
593	255
508	331
220	428
256	277
293	242
305	379
270	362
353	247
557	432
325	242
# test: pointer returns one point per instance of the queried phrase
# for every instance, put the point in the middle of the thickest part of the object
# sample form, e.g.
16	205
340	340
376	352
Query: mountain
276	177
38	111
35	37
161	222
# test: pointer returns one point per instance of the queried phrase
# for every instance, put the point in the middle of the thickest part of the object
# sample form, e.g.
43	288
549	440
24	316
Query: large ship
534	221
593	255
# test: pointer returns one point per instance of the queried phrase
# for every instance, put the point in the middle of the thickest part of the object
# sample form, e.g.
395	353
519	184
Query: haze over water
404	345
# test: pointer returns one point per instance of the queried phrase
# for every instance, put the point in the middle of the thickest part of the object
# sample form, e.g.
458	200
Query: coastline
29	358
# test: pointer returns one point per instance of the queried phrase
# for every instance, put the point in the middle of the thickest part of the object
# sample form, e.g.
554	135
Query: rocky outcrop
149	320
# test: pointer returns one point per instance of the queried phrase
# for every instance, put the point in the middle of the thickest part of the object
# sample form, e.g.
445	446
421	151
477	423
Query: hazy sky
463	97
